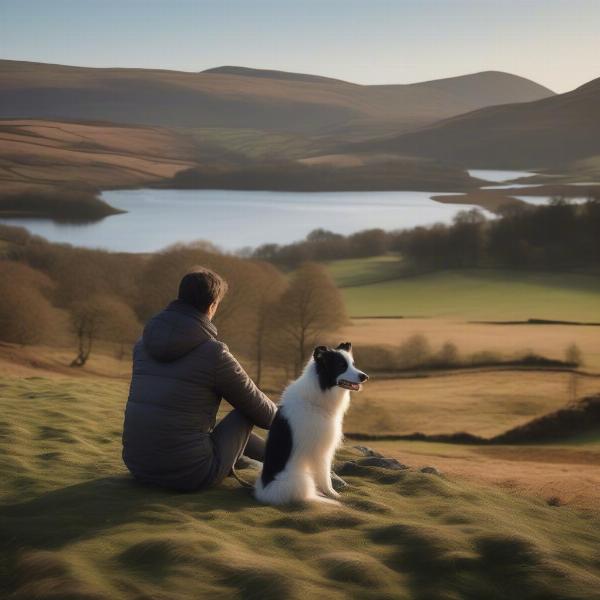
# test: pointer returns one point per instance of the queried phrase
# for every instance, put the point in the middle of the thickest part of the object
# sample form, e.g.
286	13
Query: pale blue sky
554	42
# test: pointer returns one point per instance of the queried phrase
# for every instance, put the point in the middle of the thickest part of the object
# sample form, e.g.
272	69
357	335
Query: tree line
560	234
56	294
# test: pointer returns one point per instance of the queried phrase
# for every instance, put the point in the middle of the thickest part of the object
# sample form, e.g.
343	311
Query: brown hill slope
246	98
548	132
91	155
54	169
582	417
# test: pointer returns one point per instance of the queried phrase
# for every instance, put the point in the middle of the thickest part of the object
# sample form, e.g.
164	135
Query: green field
74	526
254	143
467	294
364	271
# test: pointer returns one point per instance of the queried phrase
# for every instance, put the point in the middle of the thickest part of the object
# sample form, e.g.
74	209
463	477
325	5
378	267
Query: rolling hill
237	97
550	132
55	169
73	525
89	154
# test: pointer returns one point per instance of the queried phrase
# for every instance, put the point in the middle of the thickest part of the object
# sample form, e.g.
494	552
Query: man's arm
234	384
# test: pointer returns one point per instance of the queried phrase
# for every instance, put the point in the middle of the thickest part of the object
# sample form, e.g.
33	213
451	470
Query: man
180	374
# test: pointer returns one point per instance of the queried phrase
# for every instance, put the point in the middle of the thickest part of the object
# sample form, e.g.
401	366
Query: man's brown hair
201	288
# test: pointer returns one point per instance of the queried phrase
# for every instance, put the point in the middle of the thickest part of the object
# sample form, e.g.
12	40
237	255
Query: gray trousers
231	438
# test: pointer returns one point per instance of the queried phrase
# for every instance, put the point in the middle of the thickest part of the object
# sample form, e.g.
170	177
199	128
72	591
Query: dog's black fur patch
278	448
330	365
347	346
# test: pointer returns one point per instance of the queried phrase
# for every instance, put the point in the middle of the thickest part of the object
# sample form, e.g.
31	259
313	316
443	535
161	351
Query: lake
498	176
237	219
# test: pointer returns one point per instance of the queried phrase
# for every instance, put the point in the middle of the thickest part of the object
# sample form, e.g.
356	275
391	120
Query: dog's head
335	367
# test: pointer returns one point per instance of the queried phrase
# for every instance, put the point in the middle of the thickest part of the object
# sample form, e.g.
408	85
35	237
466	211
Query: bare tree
268	285
310	309
100	317
87	318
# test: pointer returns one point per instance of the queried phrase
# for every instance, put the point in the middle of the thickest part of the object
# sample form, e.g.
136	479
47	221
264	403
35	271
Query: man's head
203	289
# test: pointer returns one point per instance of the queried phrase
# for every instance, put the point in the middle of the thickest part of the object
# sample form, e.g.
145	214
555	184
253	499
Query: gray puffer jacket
180	374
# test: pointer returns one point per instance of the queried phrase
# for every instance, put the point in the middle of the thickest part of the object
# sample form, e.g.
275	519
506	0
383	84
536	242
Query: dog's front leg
322	471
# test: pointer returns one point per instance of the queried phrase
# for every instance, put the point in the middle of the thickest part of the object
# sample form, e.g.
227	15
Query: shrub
376	358
26	314
414	352
447	356
573	355
485	357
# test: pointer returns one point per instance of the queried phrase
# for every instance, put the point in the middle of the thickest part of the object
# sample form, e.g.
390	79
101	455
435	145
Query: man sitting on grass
180	374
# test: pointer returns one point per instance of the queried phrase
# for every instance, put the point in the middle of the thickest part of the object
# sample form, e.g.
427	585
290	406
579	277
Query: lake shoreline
489	198
155	217
477	187
56	204
233	220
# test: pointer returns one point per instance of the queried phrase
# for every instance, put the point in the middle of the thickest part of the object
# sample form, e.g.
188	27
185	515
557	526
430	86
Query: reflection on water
509	186
498	176
540	200
235	219
502	176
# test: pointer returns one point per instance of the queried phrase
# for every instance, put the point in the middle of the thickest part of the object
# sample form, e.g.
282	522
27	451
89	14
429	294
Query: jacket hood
176	331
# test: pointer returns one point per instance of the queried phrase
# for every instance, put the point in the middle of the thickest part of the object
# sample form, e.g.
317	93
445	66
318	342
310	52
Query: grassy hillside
73	525
235	97
89	154
543	133
481	294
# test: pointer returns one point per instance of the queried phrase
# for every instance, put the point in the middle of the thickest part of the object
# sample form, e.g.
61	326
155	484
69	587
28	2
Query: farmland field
364	271
483	403
506	340
476	294
469	308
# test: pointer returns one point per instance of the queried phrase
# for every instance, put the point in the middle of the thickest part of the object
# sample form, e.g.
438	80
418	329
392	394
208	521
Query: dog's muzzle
351	385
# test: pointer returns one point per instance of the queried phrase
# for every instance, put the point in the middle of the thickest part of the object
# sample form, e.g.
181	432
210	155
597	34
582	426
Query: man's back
180	374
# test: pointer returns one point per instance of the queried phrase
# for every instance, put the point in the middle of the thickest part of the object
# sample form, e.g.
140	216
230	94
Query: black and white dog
307	429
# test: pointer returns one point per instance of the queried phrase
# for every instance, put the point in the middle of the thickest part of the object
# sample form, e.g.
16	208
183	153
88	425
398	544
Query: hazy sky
554	42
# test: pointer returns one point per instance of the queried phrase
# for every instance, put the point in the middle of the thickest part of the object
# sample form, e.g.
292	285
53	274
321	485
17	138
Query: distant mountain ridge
549	132
487	87
272	74
240	97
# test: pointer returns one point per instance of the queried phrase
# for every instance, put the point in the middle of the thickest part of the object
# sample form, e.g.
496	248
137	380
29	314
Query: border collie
308	428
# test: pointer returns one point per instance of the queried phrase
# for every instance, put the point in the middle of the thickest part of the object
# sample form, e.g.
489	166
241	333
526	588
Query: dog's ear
318	352
347	346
